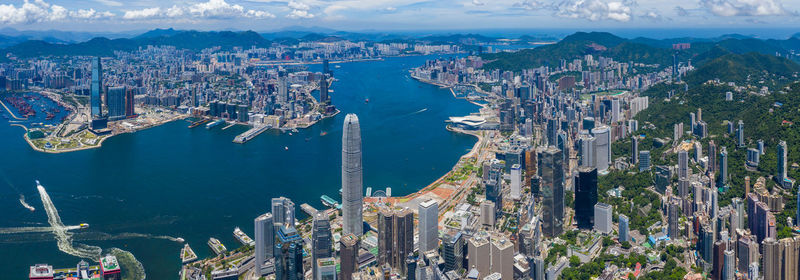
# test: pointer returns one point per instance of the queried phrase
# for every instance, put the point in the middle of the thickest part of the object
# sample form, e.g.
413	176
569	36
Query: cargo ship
216	246
243	238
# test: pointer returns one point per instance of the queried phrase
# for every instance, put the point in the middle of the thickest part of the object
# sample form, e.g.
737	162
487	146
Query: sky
388	15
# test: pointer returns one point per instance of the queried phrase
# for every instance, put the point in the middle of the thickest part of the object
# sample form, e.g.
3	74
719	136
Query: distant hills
733	67
651	51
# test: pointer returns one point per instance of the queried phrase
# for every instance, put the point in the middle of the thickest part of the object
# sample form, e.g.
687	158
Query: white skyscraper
602	150
283	211
615	110
265	238
602	217
428	225
587	151
352	185
516	182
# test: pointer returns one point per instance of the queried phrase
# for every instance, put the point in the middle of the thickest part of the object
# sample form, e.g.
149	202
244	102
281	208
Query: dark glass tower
585	197
552	191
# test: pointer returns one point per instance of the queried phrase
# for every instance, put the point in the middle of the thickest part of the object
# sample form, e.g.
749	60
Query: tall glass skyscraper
585	196
97	88
782	154
552	191
288	254
116	102
265	238
322	241
352	176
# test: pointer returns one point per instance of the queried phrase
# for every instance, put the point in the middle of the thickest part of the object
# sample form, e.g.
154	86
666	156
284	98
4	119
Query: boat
323	133
215	123
337	66
295	130
180	239
286	148
366	100
84	225
216	246
25	204
243	238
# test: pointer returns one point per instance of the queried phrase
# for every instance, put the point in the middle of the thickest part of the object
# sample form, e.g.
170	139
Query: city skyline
388	15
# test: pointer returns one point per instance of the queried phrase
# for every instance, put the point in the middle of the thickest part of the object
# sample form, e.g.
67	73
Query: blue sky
355	15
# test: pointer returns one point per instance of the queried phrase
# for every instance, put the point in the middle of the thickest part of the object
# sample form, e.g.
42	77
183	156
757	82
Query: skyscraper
129	101
116	103
672	221
348	256
288	254
323	89
453	251
712	157
352	177
97	88
740	134
321	240
602	217
723	166
395	237
644	161
772	262
729	265
479	255
624	228
782	156
326	269
585	197
265	238
428	225
602	150
634	149
283	211
552	191
683	164
516	182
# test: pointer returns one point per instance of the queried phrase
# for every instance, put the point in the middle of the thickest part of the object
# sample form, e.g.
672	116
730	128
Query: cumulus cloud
214	9
299	10
595	10
477	3
653	15
729	8
530	5
37	11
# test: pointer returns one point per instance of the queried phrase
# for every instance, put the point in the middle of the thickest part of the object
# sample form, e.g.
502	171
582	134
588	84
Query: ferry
216	246
286	148
180	239
243	238
215	123
84	225
366	100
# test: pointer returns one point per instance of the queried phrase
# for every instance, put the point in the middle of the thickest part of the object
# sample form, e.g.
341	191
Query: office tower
516	182
772	261
588	123
644	161
97	88
675	74
552	131
283	87
624	228
728	265
288	254
683	188
429	225
116	103
283	211
602	150
487	213
503	258
740	134
326	269
349	245
453	251
782	159
323	89
587	151
352	177
712	157
411	267
265	238
683	164
552	191
698	151
479	255
321	240
129	101
634	149
494	190
723	166
718	259
602	217
585	197
672	220
537	271
738	208
713	203
395	237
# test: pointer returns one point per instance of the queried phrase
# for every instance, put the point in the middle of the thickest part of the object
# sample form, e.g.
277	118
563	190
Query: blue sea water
195	183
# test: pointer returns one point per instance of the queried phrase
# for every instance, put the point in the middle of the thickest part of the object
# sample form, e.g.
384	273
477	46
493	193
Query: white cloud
477	3
595	10
299	10
90	14
530	5
297	14
214	9
111	3
728	8
32	12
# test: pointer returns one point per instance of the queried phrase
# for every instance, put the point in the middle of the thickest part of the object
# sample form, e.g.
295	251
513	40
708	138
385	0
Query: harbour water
141	190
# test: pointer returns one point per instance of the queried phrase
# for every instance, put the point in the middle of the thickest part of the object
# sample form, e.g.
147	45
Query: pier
311	211
187	254
249	134
243	238
199	122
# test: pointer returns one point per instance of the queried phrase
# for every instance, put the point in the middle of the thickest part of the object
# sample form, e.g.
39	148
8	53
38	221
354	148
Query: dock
187	254
249	134
214	123
243	238
311	211
228	126
216	246
328	201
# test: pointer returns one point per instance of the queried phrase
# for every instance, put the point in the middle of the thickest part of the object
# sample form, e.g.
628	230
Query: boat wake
102	236
61	231
25	204
420	111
